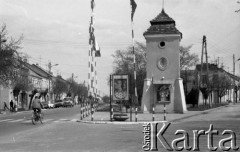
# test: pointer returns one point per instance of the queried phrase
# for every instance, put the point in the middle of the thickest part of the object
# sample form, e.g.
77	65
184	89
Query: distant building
31	79
220	82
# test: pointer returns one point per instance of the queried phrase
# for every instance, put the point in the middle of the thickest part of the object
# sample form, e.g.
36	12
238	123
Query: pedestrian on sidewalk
5	106
11	106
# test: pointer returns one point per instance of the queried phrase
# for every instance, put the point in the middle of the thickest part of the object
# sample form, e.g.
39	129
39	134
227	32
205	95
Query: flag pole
91	60
134	5
134	65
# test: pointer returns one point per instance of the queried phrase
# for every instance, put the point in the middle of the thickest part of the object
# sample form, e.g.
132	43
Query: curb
118	122
143	122
201	112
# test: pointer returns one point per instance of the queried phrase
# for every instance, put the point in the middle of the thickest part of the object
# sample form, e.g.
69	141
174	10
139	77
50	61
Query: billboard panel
120	87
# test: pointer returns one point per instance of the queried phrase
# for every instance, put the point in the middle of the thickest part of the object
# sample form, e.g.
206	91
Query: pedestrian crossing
29	120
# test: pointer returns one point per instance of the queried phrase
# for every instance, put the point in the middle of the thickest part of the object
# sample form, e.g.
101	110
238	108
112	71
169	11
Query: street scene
132	75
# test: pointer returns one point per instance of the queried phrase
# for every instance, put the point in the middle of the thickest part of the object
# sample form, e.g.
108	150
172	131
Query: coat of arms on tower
163	93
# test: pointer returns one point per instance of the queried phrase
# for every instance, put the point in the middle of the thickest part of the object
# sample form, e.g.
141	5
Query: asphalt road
74	136
17	122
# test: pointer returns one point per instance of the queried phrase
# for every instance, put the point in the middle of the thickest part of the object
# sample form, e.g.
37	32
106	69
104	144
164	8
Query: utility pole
49	78
206	57
204	83
72	85
233	64
204	50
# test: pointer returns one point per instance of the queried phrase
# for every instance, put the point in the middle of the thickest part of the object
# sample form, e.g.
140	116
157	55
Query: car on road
67	102
45	105
58	103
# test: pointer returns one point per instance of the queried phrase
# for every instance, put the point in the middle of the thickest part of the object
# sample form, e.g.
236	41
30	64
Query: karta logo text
154	139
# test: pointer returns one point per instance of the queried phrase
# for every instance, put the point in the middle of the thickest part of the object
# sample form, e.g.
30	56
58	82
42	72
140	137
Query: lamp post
49	81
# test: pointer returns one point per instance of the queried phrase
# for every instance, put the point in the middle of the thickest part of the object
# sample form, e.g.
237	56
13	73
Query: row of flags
94	48
92	39
134	6
91	28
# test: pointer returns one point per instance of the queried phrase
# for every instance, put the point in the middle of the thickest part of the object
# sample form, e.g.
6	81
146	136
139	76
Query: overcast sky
57	30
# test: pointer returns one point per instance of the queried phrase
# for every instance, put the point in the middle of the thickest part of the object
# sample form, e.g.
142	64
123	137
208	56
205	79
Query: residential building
220	82
31	79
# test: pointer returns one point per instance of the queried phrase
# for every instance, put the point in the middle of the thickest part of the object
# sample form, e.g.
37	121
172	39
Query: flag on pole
134	6
97	49
92	4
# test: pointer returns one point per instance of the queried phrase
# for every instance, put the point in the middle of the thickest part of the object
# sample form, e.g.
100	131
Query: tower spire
163	4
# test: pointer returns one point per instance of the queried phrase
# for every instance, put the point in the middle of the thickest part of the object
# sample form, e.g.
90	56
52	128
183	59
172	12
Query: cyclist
37	105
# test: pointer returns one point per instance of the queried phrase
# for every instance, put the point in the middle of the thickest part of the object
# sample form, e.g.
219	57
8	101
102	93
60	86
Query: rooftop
162	24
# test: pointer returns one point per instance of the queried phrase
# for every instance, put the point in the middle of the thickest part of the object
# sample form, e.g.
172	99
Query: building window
162	44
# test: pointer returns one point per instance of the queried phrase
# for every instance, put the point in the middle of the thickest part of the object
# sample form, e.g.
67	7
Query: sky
56	31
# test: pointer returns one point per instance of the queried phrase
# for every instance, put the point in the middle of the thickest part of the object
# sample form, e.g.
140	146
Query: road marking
47	120
6	120
74	120
17	120
66	120
27	121
63	119
56	121
44	120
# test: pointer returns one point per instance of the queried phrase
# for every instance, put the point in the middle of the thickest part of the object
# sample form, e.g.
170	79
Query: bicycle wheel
33	119
41	118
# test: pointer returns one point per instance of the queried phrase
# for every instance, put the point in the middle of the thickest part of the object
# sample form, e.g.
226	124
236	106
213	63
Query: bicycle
36	116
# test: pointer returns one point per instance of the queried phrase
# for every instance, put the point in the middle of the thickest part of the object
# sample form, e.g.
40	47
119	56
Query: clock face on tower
162	63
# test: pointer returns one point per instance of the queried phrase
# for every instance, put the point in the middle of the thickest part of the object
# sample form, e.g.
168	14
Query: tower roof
162	24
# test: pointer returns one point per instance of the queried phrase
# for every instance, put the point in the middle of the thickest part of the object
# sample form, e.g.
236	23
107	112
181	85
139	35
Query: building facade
32	79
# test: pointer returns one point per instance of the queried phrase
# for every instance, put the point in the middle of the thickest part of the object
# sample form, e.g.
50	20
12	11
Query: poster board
120	85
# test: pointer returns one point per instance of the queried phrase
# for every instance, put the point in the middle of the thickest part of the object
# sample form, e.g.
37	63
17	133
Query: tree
82	90
123	64
22	83
73	89
221	85
9	58
59	87
187	60
77	89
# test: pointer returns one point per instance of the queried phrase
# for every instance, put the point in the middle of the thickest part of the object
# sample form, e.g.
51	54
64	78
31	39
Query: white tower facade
163	85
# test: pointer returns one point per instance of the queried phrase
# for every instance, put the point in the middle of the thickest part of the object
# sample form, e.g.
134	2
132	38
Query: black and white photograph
119	75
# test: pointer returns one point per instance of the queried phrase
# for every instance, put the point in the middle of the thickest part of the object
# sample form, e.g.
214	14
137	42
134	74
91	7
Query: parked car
50	105
67	102
58	103
45	105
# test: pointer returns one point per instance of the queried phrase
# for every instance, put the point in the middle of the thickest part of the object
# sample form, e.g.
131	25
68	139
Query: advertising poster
120	87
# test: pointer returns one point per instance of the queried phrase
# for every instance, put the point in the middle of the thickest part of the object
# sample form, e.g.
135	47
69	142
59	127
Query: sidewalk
104	117
6	112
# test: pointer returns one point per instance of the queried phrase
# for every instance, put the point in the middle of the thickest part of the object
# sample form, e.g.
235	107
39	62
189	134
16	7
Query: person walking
11	106
5	106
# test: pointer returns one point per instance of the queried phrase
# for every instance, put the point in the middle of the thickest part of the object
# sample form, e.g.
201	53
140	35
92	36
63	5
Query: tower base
177	103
